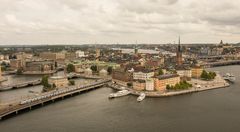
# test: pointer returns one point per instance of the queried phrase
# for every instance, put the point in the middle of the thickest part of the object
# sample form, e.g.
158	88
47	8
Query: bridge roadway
20	85
14	109
222	63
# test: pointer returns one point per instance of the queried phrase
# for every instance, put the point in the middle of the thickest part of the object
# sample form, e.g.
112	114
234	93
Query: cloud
123	21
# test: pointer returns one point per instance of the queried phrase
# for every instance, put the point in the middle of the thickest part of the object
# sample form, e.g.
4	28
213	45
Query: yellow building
139	85
162	81
197	71
59	81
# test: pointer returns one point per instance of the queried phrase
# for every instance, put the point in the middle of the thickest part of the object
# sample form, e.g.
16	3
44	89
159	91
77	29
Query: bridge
44	98
20	85
76	75
222	63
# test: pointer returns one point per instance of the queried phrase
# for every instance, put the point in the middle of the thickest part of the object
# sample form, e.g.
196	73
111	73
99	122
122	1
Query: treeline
208	75
179	86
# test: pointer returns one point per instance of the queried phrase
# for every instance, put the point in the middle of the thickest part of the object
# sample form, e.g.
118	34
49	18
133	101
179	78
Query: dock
20	85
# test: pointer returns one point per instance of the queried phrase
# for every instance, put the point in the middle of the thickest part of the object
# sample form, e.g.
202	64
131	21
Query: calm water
209	111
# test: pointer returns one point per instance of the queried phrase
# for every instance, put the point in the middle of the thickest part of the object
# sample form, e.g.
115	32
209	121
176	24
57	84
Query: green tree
160	72
44	82
109	70
70	68
93	68
71	82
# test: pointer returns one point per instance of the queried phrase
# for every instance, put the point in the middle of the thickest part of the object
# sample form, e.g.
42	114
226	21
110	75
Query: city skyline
111	22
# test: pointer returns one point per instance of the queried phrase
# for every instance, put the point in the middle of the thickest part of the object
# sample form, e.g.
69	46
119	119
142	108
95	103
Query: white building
184	73
103	73
149	84
79	54
142	75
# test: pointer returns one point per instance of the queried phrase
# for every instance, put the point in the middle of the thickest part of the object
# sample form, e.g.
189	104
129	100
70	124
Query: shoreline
207	85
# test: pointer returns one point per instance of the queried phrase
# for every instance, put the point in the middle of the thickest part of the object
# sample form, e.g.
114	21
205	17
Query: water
209	111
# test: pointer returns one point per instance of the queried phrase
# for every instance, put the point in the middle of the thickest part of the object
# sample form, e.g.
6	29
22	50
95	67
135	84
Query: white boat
229	77
119	94
141	97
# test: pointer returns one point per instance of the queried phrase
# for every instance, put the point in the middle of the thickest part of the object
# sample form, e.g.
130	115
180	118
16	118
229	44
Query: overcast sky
118	21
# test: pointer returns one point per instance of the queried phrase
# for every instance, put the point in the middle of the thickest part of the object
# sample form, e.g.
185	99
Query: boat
119	94
229	77
141	97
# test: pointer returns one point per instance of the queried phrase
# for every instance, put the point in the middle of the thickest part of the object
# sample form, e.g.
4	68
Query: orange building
139	85
162	81
197	71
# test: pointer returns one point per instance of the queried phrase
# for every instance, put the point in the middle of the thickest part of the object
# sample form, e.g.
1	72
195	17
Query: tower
179	53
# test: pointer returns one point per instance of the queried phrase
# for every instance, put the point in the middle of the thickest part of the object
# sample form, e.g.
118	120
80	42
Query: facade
162	81
149	84
80	54
142	75
59	81
16	64
139	85
121	77
197	71
52	56
39	67
184	73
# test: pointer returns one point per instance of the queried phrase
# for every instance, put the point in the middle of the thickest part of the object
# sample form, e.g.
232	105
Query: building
162	81
59	81
16	64
149	84
197	71
142	74
184	73
121	77
139	85
39	67
179	54
79	54
88	71
52	56
103	73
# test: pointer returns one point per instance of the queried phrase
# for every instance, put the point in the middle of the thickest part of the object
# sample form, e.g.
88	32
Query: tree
70	68
93	68
208	75
160	72
71	82
44	82
109	70
19	71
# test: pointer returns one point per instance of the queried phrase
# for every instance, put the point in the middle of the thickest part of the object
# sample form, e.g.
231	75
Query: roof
166	76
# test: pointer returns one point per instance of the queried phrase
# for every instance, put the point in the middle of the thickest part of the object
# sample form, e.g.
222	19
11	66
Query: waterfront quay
29	103
217	83
20	85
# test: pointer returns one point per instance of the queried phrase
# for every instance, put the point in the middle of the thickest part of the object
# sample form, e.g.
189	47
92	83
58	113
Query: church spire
179	44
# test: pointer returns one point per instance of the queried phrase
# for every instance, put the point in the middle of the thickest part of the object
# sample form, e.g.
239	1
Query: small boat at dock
229	77
141	97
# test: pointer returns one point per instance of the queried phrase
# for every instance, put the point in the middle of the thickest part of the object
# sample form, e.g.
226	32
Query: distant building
143	74
59	81
80	54
52	56
39	67
103	73
162	81
197	71
16	64
88	71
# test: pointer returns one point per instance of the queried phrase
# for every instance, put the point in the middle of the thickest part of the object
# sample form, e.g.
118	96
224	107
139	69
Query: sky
118	21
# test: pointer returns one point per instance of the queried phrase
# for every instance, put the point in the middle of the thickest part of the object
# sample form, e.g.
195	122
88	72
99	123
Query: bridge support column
30	108
16	112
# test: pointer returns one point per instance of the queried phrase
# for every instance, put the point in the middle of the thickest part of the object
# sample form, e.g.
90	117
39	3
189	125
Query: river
209	111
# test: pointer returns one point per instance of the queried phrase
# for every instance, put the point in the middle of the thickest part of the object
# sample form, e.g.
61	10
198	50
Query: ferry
229	77
141	97
119	94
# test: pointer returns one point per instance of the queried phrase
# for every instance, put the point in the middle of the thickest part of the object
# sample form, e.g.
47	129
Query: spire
179	42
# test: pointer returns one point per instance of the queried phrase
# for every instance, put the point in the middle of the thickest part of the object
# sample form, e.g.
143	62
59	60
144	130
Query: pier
20	85
28	104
